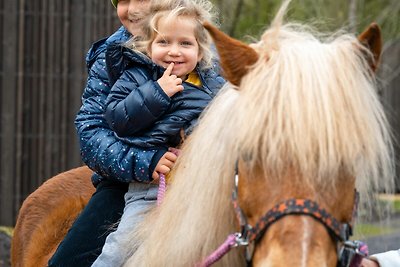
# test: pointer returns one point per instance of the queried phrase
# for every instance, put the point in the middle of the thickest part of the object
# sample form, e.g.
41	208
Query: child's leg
139	199
84	241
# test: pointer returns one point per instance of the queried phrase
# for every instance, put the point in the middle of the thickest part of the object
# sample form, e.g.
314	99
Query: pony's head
309	127
301	119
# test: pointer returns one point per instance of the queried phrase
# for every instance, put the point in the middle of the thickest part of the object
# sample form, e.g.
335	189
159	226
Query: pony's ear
235	56
372	39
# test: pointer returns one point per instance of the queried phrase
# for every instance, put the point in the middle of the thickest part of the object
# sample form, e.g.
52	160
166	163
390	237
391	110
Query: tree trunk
236	16
353	15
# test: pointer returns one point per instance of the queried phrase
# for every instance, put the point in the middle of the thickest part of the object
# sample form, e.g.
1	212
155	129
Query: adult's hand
366	262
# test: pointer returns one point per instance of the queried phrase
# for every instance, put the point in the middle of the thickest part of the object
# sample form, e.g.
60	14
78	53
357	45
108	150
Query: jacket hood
119	58
120	36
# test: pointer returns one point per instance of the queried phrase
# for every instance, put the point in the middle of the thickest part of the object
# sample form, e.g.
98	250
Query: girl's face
131	14
176	42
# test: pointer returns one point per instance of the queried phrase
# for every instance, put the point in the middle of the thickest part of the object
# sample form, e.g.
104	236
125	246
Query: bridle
340	232
350	253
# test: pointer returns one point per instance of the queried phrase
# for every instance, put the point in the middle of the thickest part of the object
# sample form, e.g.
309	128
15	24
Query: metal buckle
249	250
241	240
349	251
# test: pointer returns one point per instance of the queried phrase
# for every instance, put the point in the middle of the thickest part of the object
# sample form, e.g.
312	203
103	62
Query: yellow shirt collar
194	79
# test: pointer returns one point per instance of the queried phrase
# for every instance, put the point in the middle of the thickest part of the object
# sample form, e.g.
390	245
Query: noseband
349	252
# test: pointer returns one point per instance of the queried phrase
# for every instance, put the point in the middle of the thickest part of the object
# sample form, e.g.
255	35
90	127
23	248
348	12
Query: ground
5	245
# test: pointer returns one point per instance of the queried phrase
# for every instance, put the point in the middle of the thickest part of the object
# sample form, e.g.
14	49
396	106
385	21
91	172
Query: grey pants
139	199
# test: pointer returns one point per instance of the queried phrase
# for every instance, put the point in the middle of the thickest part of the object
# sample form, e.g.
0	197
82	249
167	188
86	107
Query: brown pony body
47	214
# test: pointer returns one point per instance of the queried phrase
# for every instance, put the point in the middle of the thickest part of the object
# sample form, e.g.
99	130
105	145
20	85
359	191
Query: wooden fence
42	75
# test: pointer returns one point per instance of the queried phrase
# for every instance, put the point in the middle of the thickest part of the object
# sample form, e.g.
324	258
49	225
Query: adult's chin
134	28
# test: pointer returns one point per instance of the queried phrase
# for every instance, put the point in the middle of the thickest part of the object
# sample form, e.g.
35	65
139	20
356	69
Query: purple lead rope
220	252
161	189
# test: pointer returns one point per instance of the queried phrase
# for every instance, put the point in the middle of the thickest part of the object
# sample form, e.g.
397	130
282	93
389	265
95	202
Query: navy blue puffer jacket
110	158
138	109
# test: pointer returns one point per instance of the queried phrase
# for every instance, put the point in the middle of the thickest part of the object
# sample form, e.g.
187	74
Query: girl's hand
170	84
164	165
174	150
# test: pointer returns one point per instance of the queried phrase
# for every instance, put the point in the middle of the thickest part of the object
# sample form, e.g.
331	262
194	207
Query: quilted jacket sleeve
101	150
135	103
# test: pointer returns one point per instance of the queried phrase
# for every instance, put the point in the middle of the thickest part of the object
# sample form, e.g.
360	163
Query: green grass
363	230
396	206
392	200
7	230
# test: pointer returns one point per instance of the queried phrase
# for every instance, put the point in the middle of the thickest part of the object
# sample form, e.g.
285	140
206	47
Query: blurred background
43	73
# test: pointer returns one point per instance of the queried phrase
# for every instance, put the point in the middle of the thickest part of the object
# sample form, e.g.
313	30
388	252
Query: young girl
167	82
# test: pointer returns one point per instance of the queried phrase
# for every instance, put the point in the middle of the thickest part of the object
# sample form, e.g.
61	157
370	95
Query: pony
46	215
295	132
299	128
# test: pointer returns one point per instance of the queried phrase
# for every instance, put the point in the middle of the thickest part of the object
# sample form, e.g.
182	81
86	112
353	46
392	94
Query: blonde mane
307	103
318	110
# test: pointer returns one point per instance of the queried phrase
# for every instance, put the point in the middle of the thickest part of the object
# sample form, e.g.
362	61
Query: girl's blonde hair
199	10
